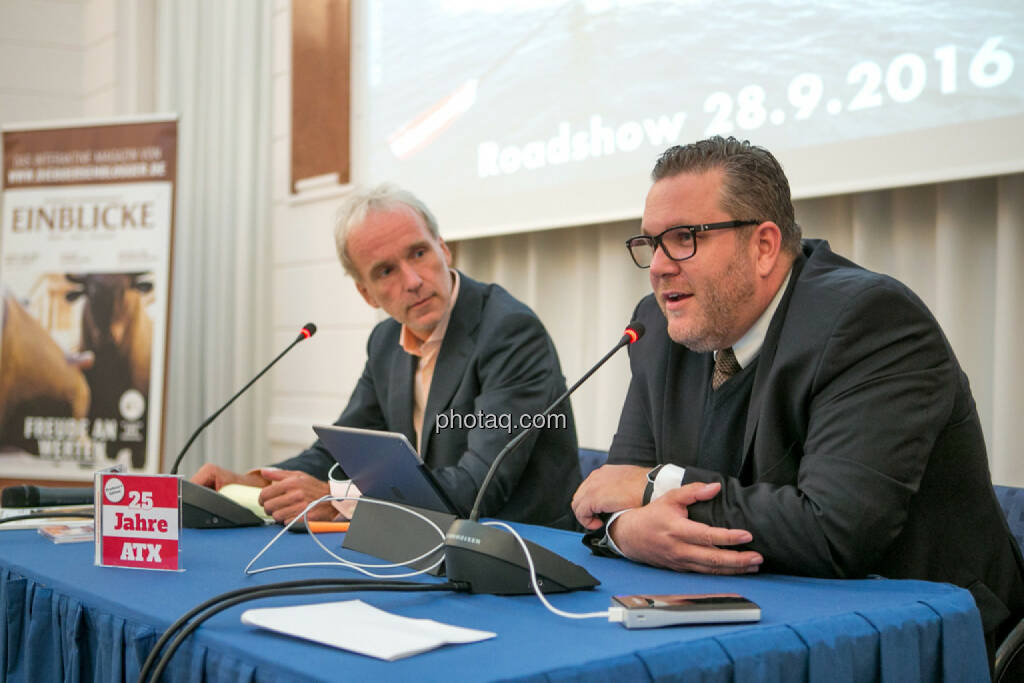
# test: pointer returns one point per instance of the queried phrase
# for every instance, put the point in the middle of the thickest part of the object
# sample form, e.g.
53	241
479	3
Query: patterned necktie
726	366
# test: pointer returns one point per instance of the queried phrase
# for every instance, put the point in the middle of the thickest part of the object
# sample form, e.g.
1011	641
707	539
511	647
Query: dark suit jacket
862	453
496	359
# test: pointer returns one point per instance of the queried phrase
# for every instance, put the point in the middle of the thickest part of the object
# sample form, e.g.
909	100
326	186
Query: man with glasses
790	411
452	346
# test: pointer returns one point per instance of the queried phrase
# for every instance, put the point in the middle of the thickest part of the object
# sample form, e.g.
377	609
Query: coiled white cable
342	562
364	568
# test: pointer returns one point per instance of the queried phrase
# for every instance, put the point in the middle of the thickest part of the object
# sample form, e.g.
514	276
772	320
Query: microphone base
204	508
390	534
491	561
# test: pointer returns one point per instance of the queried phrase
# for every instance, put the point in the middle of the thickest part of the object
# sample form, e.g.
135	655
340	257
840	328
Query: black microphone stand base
491	561
204	508
392	534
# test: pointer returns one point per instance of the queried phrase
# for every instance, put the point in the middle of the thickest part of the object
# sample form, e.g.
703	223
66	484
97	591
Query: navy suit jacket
862	454
496	359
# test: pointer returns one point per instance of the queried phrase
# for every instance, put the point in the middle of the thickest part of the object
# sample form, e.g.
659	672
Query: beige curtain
959	245
213	69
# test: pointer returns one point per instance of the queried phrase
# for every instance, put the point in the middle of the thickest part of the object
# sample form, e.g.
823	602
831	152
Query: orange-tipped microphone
474	552
634	331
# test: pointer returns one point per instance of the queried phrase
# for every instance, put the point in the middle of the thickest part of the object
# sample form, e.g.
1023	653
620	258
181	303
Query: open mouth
675	297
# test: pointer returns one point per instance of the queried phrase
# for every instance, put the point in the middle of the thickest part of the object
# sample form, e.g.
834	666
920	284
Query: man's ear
767	240
367	296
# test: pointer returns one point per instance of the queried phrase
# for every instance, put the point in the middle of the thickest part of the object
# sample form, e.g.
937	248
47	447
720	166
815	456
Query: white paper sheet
358	627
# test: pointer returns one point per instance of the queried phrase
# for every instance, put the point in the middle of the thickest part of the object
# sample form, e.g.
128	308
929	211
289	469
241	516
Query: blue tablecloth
66	619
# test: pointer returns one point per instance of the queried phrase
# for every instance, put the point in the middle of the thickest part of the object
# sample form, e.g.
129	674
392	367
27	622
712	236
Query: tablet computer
384	465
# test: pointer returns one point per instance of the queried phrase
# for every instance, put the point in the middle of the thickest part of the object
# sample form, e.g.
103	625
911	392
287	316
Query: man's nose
661	264
410	277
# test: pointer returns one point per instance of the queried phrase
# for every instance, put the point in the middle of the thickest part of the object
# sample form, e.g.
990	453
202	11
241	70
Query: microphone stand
521	436
204	508
491	561
307	331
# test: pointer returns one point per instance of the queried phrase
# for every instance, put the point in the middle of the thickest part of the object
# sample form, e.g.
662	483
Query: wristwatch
649	489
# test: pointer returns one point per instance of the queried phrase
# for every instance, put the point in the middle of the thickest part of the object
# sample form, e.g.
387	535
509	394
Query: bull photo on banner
85	260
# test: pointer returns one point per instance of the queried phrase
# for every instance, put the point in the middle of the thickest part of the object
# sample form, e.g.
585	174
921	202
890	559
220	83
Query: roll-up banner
85	264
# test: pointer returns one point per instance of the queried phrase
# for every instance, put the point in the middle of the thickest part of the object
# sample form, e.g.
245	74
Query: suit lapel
765	359
456	350
401	386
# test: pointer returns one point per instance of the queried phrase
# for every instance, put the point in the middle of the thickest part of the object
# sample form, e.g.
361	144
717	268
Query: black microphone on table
490	560
31	496
201	507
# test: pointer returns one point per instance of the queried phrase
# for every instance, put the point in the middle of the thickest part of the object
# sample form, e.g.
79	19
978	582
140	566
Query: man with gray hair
790	411
455	350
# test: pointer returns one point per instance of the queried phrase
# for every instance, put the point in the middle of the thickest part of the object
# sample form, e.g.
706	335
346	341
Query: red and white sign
138	520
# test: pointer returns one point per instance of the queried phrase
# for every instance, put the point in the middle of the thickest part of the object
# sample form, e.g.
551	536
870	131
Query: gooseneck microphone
489	560
307	331
633	331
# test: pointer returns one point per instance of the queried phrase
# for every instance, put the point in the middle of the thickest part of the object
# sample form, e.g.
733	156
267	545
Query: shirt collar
411	343
749	345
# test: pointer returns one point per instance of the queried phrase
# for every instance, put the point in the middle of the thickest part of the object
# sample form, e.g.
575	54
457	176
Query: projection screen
508	115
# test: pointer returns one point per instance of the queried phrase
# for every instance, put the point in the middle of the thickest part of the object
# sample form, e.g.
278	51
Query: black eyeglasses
679	243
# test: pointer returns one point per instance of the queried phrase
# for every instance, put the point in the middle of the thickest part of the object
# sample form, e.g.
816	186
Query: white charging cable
330	477
536	588
342	562
364	568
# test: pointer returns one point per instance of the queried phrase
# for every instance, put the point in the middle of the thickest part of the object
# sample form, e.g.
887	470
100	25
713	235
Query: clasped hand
661	533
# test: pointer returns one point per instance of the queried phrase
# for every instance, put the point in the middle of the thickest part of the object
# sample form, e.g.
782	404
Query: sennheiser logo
464	539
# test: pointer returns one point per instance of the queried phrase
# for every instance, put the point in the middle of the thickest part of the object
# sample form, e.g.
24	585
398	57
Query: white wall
42	44
118	58
63	59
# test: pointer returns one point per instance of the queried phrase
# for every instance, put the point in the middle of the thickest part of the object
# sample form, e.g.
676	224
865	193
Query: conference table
66	619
